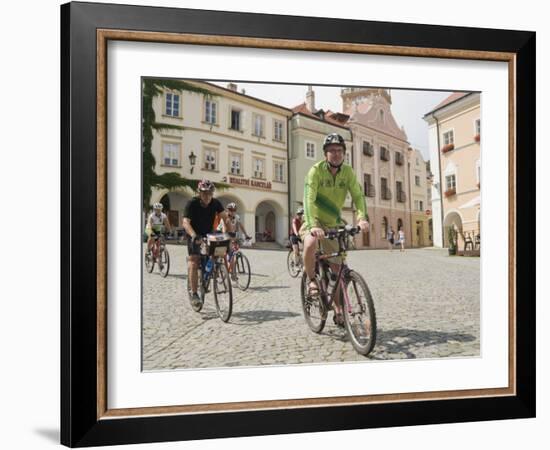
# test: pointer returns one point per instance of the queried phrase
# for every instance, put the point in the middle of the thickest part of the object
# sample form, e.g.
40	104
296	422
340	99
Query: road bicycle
213	274
159	254
295	267
241	274
355	298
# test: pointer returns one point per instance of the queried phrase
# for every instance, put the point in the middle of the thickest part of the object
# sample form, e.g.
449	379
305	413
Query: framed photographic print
205	153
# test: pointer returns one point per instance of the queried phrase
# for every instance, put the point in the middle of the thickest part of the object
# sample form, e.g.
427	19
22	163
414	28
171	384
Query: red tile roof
333	118
451	98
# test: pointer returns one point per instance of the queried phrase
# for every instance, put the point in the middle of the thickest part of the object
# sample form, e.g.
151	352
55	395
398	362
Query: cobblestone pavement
427	306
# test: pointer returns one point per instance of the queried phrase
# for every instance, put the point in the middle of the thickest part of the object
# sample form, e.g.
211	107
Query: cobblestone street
427	305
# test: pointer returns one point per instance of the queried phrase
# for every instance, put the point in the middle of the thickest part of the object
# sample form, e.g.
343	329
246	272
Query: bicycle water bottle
208	267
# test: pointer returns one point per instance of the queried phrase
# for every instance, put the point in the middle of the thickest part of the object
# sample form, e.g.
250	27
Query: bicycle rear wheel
293	268
242	269
164	266
223	293
313	307
149	261
359	313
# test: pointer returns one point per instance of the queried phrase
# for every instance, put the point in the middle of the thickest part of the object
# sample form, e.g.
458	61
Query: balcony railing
386	194
401	197
399	159
369	190
368	150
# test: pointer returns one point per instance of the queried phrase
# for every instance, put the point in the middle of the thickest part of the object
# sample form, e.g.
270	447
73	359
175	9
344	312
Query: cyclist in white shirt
156	222
231	225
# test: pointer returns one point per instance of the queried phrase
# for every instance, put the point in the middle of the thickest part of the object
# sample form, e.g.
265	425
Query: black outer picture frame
79	351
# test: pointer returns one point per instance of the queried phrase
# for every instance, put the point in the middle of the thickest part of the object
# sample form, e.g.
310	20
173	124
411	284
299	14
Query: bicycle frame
322	260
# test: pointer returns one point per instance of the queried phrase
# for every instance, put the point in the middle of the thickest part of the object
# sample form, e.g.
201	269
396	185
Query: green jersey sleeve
311	187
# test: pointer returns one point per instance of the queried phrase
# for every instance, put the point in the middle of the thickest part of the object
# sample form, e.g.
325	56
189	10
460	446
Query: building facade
231	138
420	204
308	128
381	161
455	159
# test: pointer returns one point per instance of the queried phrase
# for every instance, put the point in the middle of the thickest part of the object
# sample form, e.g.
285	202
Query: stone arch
270	221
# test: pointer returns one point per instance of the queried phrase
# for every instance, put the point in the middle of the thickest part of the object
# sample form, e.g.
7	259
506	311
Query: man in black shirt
198	221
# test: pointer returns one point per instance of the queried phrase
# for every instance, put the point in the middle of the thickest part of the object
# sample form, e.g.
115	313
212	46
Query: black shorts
193	246
294	240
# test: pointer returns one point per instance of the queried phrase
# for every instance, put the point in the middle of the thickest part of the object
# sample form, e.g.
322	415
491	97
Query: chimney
310	99
232	87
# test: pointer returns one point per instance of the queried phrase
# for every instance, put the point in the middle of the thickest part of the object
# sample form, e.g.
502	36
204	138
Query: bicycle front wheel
242	269
293	268
149	261
164	263
223	293
313	307
359	314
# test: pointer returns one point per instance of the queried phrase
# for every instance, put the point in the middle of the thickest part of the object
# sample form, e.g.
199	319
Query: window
278	130
368	149
384	191
420	205
382	116
478	126
450	182
401	197
170	154
210	158
279	169
384	154
310	150
235	164
258	125
417	180
172	105
416	205
258	168
399	158
449	137
210	112
235	119
367	186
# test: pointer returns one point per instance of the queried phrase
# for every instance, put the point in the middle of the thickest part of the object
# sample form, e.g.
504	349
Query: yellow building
421	220
454	138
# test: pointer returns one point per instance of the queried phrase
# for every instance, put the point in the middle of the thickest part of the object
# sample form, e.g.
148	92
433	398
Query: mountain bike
213	273
158	254
241	273
354	296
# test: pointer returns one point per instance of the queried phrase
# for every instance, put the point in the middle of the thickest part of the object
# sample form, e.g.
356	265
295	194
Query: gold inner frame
103	36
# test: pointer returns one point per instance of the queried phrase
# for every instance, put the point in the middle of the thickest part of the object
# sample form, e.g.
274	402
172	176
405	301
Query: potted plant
449	192
447	148
451	235
476	138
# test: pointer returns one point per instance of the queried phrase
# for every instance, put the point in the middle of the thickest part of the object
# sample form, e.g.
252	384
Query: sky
408	107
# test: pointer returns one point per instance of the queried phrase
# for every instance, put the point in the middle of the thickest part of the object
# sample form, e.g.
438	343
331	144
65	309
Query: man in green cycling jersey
326	186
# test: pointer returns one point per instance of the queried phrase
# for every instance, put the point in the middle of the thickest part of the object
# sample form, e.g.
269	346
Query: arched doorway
453	220
270	222
400	225
384	228
174	204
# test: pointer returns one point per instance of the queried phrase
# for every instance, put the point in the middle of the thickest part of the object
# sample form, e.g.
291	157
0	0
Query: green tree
152	87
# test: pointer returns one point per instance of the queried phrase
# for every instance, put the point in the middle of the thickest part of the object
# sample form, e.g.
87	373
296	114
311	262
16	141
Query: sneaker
196	300
338	320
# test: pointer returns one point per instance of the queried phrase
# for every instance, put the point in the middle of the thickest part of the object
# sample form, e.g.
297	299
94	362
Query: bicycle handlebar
348	229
